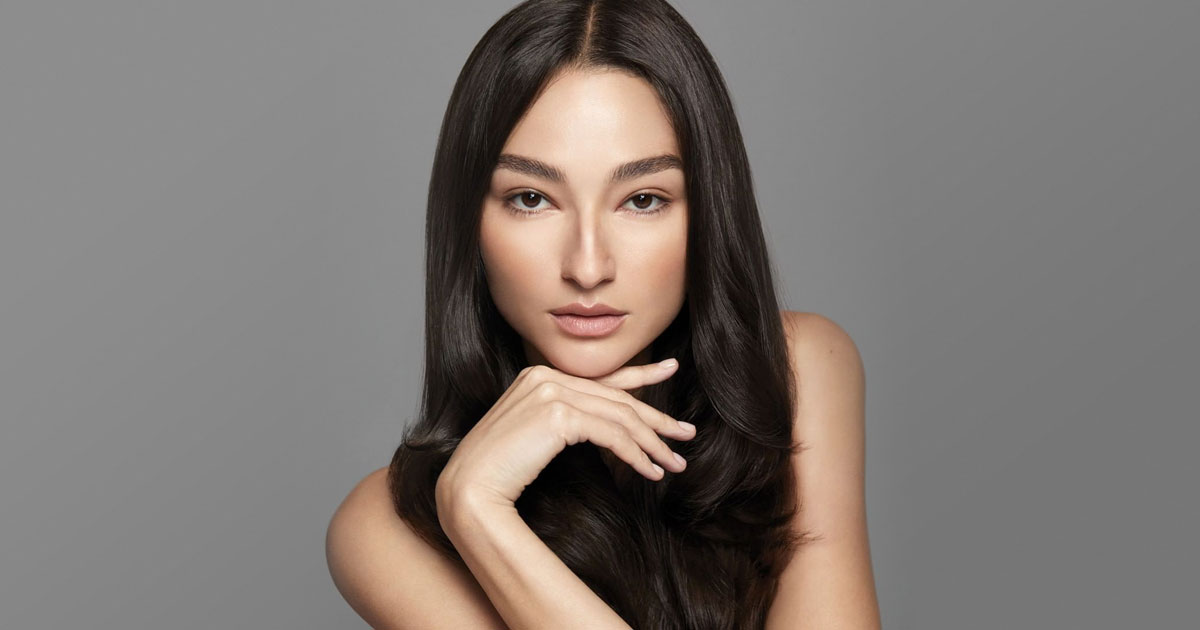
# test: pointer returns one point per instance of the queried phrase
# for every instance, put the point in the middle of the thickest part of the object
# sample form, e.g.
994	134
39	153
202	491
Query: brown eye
643	203
520	203
529	196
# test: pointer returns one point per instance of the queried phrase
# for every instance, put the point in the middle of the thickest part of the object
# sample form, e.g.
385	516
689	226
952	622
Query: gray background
211	290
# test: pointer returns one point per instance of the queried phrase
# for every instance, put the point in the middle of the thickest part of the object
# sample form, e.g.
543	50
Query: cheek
660	282
669	267
510	264
667	257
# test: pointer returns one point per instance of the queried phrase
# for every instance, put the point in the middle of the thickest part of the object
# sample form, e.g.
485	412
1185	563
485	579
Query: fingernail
668	364
679	458
688	426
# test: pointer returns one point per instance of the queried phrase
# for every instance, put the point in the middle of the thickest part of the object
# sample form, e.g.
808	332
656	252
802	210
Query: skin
586	242
589	240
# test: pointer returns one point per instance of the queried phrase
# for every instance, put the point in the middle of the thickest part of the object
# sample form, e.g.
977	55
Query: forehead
585	117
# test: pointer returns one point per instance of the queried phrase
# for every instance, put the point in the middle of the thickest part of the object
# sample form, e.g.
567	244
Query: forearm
527	583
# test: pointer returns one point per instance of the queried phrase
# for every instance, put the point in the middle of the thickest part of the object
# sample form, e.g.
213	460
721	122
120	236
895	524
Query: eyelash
513	208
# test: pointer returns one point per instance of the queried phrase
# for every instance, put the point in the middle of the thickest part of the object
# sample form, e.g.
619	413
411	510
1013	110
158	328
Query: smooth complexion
587	204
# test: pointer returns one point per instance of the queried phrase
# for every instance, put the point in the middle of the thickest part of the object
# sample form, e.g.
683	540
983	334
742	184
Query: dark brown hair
699	550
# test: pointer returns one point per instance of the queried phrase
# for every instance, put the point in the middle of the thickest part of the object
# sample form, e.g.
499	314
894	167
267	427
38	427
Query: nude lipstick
597	320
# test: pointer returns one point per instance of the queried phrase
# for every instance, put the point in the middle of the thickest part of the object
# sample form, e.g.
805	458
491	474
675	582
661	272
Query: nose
587	259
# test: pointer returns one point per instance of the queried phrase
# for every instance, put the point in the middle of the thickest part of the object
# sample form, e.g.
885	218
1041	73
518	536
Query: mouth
589	325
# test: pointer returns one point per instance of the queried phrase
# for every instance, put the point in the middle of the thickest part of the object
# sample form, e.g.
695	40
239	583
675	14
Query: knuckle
547	390
620	433
629	415
562	421
557	409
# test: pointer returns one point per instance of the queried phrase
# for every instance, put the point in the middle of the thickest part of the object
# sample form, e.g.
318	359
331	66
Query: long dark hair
702	549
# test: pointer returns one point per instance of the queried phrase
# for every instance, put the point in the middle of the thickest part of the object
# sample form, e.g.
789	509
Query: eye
642	203
520	206
647	198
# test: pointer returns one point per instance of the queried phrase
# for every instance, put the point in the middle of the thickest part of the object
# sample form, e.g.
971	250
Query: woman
591	214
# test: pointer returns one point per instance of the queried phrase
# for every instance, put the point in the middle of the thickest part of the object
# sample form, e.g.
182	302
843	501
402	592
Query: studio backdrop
211	250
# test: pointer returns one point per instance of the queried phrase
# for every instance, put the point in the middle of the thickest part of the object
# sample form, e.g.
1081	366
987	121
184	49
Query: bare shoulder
808	332
828	583
391	577
828	370
822	351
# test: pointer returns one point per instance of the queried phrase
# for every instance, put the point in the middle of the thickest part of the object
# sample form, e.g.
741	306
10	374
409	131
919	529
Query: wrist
461	506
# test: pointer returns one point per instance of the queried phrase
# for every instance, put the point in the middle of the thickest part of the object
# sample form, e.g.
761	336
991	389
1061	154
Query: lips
594	310
584	326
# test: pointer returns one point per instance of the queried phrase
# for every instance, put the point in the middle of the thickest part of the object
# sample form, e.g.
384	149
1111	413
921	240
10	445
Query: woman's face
588	236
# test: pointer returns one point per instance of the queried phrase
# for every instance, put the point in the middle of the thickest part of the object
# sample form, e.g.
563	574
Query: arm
391	577
829	582
528	584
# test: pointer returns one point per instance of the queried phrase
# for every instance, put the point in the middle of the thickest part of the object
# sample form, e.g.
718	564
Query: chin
583	369
586	365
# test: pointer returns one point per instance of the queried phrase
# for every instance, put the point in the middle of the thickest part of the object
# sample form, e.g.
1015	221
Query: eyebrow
626	171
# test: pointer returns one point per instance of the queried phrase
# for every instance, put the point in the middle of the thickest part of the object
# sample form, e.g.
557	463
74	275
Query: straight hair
697	550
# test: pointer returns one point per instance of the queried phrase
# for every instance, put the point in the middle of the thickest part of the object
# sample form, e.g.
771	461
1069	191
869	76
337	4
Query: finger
635	376
620	413
657	420
578	425
528	376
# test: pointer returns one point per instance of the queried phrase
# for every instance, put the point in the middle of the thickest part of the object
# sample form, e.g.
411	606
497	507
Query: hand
542	412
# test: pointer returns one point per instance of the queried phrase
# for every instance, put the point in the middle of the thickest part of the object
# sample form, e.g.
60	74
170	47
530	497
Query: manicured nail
668	364
688	426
